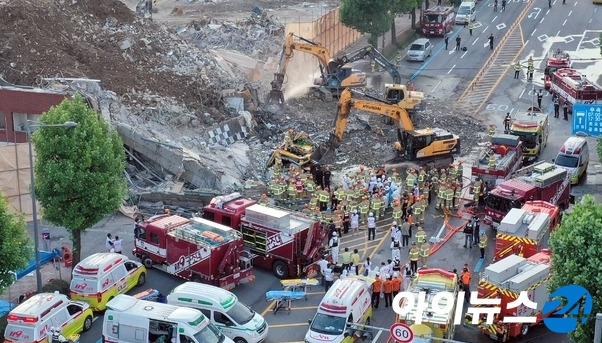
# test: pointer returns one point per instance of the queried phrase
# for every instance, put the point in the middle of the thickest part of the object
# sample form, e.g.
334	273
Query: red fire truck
524	231
574	89
193	249
542	181
438	21
285	242
554	62
506	280
499	160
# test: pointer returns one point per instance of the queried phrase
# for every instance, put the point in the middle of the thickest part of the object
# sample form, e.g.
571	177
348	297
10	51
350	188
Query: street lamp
33	195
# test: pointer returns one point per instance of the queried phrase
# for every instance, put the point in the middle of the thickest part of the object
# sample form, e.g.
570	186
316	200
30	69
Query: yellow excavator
429	146
335	75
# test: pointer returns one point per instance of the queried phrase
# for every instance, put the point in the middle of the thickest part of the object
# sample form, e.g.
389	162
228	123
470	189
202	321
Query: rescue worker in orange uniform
376	288
465	278
388	290
396	284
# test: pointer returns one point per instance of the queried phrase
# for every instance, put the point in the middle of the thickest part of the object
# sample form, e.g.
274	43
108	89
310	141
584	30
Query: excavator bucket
324	154
275	97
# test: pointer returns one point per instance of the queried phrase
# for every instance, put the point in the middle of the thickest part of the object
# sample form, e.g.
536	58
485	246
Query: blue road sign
587	119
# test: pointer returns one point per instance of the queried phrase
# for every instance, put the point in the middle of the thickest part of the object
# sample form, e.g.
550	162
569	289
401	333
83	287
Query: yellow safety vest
421	236
397	212
292	190
410	180
421	177
310	186
414	254
517	67
424	250
482	241
340	194
364	206
449	195
323	196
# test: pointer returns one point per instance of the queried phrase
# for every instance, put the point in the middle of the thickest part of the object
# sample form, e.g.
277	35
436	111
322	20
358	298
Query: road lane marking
285	325
452	68
464	54
436	86
473	43
564	22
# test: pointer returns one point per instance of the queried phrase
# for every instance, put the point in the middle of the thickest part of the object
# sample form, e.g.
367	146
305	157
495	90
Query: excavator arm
290	45
377	57
346	102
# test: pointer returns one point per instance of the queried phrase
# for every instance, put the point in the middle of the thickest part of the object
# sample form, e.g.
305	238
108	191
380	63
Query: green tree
599	145
399	7
78	171
373	17
577	258
16	248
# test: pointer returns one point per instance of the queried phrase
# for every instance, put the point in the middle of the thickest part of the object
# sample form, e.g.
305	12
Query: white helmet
394	223
370	214
334	234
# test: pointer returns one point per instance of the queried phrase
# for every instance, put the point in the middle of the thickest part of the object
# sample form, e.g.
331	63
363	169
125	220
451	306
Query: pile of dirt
104	40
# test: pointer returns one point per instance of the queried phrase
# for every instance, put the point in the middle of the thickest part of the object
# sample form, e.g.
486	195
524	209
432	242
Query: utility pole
598	329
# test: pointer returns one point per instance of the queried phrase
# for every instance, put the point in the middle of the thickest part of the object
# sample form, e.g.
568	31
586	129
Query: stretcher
299	285
151	295
283	298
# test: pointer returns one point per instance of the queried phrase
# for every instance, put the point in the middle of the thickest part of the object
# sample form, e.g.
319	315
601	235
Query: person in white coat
334	248
355	222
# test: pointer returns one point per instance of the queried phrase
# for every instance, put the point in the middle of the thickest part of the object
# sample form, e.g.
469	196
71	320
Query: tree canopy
78	170
16	248
577	258
373	17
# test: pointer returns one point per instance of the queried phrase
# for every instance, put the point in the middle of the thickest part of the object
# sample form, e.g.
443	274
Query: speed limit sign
401	333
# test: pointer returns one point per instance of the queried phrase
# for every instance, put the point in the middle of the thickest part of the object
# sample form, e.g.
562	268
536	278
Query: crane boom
378	57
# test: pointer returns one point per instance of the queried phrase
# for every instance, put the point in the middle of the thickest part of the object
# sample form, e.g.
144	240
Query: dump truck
524	232
532	127
555	61
434	324
573	88
194	249
498	161
287	243
542	181
505	280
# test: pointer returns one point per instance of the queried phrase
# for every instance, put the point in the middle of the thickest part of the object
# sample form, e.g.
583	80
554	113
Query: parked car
420	50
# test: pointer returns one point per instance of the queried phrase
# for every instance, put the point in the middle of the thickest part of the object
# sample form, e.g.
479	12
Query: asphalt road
570	27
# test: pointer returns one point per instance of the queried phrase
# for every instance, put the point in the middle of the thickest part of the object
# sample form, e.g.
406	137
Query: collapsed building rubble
185	100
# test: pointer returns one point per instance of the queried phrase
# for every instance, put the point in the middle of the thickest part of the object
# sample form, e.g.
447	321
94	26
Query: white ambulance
349	300
131	320
31	321
235	319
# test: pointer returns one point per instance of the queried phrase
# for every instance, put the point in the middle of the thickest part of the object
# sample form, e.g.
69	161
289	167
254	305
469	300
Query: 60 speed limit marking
401	332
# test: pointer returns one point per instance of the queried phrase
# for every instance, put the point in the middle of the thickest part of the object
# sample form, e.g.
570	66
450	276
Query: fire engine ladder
310	239
495	68
526	170
508	250
227	259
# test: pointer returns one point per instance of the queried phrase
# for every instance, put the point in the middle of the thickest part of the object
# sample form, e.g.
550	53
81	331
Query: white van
235	319
574	157
31	321
467	10
131	320
348	300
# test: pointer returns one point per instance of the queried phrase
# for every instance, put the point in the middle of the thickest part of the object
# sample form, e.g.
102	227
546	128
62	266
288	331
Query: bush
3	323
59	285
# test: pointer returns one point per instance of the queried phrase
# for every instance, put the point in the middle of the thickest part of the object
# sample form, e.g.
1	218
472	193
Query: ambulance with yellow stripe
524	231
347	301
505	280
434	323
32	320
101	277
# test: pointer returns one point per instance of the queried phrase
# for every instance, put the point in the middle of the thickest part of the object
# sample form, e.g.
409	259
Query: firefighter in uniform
457	195
491	129
264	200
377	206
417	211
425	249
395	177
449	196
288	139
476	190
397	211
422	204
420	235
443	175
460	172
340	194
414	255
410	178
441	195
364	208
323	198
306	210
421	178
453	172
310	186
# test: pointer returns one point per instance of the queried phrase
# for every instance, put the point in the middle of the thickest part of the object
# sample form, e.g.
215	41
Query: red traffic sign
401	333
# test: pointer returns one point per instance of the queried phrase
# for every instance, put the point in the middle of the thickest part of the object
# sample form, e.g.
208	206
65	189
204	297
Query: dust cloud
300	75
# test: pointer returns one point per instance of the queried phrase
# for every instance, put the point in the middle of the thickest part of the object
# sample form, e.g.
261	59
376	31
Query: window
140	233
20	121
129	266
2	120
73	309
154	238
222	319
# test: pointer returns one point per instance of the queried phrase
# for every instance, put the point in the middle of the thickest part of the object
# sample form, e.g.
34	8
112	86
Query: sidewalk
403	26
